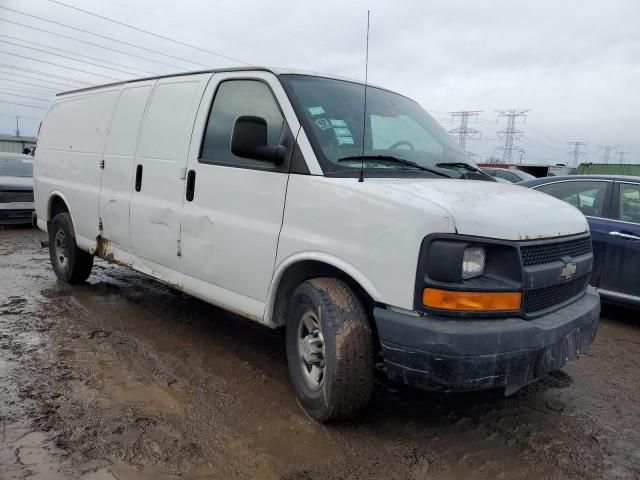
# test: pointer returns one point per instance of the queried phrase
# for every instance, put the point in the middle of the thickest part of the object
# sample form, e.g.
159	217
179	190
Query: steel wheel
311	350
61	249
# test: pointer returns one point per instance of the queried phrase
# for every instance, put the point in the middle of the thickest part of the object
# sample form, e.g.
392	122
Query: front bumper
447	354
16	213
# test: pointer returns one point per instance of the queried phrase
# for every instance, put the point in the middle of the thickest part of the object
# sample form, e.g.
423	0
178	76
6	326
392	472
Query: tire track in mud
125	378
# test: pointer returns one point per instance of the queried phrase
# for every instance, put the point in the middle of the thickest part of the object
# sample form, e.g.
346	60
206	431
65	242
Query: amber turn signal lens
471	301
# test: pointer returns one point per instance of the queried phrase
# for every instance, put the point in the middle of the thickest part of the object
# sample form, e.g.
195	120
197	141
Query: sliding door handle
191	185
138	178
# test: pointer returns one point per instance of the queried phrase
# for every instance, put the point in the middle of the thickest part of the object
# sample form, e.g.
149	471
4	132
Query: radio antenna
364	110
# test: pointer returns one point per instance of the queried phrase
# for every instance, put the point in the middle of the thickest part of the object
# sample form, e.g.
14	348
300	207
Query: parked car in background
16	189
611	204
511	175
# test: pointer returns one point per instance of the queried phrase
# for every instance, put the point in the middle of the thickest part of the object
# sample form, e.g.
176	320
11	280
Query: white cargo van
276	195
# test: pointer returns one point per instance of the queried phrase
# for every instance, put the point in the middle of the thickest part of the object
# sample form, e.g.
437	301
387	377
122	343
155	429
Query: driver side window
233	99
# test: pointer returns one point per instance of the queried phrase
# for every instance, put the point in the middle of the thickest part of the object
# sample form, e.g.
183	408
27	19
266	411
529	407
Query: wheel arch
57	203
297	269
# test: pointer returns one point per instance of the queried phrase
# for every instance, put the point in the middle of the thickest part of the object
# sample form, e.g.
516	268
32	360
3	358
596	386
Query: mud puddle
124	378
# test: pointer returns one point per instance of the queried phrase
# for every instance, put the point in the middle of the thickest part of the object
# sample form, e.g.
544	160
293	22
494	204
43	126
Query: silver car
16	189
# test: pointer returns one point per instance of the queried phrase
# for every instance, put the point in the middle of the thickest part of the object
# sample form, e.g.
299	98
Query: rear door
621	271
592	198
161	158
231	223
70	149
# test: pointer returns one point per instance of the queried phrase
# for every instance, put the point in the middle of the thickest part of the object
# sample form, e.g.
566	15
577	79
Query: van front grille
542	298
552	252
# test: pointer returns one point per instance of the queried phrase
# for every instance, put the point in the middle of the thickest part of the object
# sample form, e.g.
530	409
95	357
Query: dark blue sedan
611	204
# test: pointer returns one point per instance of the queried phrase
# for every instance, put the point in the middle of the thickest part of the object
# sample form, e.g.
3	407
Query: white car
263	191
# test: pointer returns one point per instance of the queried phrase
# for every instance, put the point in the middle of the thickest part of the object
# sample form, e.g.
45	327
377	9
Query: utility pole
607	149
17	126
510	133
621	156
577	146
463	131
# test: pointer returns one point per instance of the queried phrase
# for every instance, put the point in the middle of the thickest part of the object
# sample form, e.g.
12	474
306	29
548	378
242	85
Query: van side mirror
249	140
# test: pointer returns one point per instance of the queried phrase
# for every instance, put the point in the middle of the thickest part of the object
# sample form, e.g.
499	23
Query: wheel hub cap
61	248
311	350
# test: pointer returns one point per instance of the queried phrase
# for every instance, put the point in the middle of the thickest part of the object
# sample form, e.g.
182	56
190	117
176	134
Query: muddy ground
124	378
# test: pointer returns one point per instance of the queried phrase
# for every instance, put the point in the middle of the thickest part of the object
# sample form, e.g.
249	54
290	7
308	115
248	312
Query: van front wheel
329	349
70	264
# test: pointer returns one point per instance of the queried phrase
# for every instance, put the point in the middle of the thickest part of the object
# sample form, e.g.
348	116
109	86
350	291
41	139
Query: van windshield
400	138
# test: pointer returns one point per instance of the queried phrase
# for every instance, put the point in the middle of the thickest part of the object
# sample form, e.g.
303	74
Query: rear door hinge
179	248
102	163
100	223
183	173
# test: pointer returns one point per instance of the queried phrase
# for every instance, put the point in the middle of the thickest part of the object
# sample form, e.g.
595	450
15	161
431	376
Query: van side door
119	164
158	182
234	206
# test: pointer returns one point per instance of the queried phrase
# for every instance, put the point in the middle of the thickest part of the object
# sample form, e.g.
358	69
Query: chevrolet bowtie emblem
568	271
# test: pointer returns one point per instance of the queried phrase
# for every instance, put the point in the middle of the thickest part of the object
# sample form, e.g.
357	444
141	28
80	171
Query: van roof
275	71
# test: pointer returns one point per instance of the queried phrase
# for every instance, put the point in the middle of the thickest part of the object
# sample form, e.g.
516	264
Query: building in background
13	144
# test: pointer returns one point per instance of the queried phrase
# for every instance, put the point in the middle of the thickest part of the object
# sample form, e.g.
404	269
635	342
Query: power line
177	42
24	105
60	65
79	54
509	134
69	58
41	72
122	52
25	89
544	134
34	84
463	132
105	37
20	82
577	151
23	96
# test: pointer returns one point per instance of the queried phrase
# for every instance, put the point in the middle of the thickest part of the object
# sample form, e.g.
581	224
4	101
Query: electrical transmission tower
606	152
510	133
577	150
463	132
621	156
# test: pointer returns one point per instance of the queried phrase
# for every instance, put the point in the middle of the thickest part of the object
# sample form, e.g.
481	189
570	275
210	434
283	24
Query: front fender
322	257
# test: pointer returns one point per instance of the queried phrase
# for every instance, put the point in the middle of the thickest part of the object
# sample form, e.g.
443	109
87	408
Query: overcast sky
575	64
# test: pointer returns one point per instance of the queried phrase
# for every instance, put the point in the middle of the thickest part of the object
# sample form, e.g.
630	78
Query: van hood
489	209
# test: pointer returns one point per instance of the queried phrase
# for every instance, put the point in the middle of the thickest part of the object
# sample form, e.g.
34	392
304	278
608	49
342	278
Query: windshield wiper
471	172
466	166
389	158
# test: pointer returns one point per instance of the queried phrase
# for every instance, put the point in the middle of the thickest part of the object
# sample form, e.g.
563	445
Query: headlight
473	262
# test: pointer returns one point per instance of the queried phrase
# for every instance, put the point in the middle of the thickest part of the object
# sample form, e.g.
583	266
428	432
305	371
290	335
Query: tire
342	351
70	264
